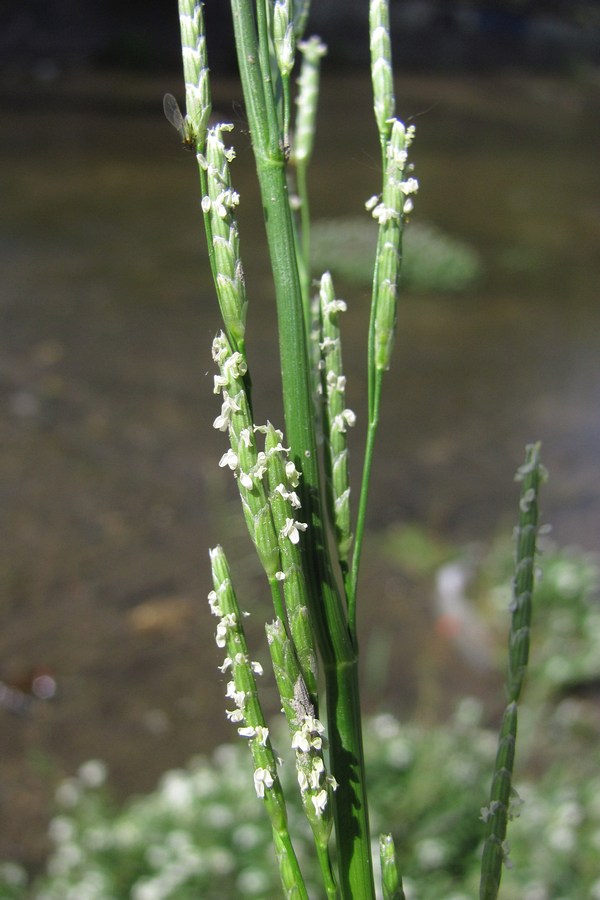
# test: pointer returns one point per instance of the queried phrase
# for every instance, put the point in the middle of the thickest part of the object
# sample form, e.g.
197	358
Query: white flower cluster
346	419
383	213
262	779
488	811
214	149
219	207
513	811
233	367
307	741
337	417
259	733
292	530
396	165
228	199
308	737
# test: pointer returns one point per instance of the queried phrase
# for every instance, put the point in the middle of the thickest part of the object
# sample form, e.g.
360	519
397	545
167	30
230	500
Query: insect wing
173	114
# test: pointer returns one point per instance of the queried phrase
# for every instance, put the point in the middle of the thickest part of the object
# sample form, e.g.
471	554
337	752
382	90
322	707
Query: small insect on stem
180	122
286	148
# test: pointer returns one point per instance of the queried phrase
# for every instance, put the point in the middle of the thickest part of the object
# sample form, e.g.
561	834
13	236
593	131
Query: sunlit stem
327	610
277	599
304	267
351	581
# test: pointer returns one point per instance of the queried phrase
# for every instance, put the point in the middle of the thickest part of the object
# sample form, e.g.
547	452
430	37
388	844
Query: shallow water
110	490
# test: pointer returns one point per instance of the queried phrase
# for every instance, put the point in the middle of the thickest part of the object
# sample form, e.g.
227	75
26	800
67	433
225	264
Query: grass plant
202	833
295	490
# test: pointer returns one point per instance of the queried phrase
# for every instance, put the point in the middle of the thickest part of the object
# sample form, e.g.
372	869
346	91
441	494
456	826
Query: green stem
291	877
375	389
335	642
207	225
385	277
285	84
270	107
277	599
327	872
302	187
297	398
348	765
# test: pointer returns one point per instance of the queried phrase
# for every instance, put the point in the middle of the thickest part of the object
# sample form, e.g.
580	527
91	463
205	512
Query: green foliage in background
432	261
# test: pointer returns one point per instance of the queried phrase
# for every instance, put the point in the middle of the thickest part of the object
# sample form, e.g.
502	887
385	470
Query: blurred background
110	490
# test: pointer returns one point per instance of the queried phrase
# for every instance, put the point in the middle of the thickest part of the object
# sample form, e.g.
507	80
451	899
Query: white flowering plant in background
202	832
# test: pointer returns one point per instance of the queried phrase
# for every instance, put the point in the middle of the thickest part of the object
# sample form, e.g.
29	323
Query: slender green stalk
390	211
503	798
296	383
303	244
351	582
301	11
327	611
274	132
304	138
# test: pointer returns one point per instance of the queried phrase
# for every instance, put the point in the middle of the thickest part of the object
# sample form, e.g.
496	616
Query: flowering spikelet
381	66
243	457
195	72
336	417
248	715
306	733
391	211
308	91
282	479
284	38
241	687
219	208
